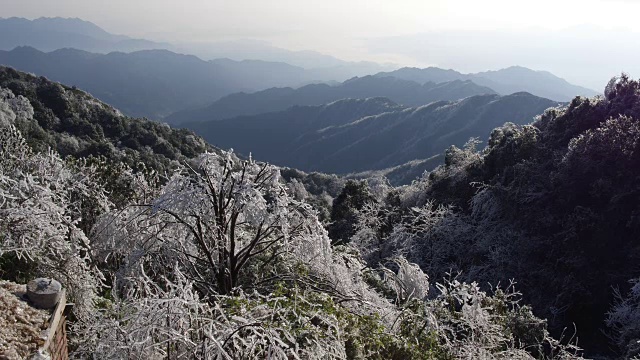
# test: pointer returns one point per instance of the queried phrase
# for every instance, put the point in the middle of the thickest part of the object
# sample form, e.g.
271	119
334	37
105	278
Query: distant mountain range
403	92
49	34
320	66
149	79
152	83
358	135
407	86
505	81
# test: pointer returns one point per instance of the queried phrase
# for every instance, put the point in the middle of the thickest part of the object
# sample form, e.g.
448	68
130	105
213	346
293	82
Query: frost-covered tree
353	197
235	212
218	217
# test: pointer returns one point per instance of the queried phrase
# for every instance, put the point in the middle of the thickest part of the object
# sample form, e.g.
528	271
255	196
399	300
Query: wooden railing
56	343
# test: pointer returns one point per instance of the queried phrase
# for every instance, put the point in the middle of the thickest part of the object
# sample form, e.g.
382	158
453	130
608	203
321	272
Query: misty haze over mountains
580	53
48	34
184	89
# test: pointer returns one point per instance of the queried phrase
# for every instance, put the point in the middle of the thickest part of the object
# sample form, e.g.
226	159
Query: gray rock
44	293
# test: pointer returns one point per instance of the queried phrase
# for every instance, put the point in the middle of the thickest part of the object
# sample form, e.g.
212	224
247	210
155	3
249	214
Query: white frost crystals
13	107
41	204
623	320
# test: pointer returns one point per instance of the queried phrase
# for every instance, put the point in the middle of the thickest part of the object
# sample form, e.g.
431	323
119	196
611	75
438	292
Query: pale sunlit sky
385	30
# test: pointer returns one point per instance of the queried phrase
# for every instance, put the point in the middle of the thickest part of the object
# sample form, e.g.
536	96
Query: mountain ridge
405	92
505	81
48	34
151	83
387	136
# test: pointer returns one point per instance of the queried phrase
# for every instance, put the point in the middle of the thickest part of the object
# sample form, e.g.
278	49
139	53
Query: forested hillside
220	258
358	135
405	92
553	205
73	123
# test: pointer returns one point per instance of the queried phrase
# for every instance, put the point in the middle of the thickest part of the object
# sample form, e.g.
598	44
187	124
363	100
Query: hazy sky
506	32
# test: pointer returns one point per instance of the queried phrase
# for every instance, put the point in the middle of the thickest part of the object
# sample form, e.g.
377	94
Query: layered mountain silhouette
152	83
49	34
405	92
356	135
320	66
505	81
407	86
162	83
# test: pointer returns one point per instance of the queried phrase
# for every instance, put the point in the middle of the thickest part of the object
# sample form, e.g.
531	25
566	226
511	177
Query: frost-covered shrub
68	144
42	202
623	321
475	325
167	319
431	236
14	108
